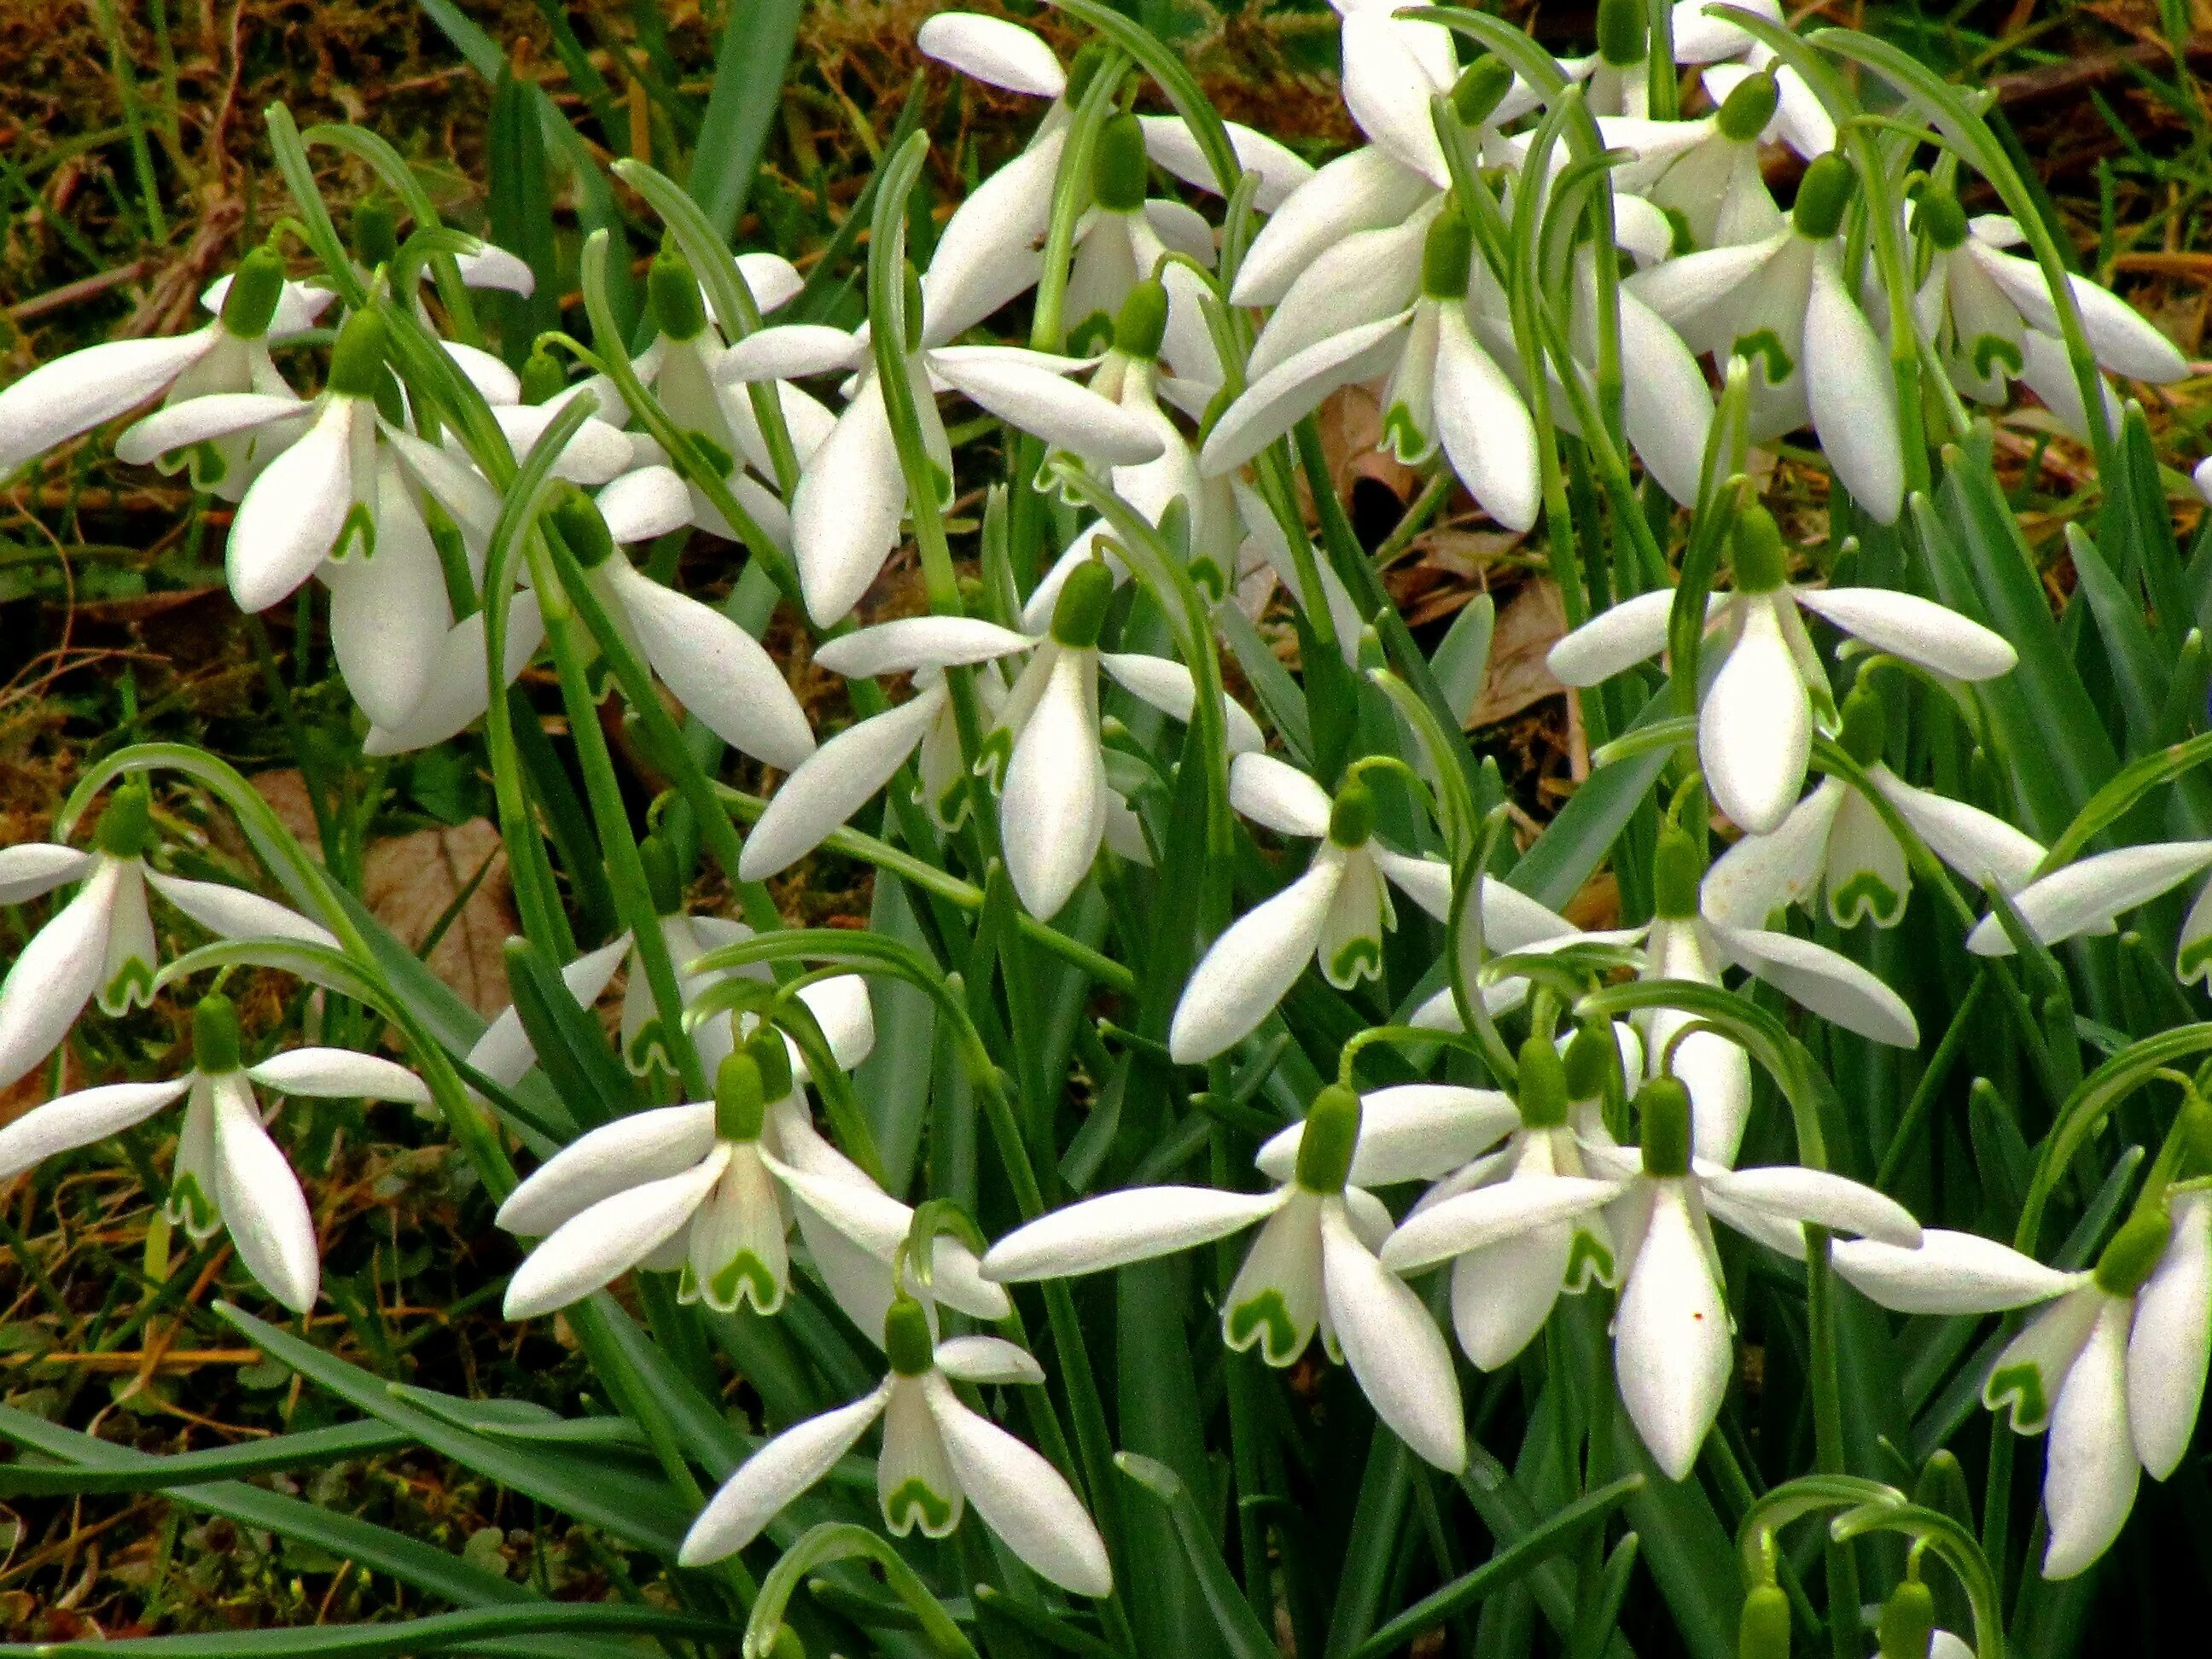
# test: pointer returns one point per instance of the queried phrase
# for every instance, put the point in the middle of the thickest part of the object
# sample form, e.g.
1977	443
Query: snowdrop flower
1334	915
1522	1223
229	1173
1834	839
1125	237
1801	120
456	687
1783	302
1618	77
101	942
937	1456
1393	66
1980	305
2089	898
74	393
2114	1369
713	1188
1444	389
1755	719
1672	1348
1313	1266
717	671
852	493
1715	185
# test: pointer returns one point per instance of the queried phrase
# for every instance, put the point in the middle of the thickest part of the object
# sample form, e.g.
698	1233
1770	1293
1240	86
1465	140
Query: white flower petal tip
1122	1227
992	51
773	1476
1948	1274
1918	629
2089	896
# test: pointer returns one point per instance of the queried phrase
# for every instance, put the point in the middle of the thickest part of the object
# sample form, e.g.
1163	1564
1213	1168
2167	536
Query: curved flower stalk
102	943
1334	915
1672	1352
1988	311
1783	303
2089	896
1835	842
1755	716
938	1456
713	1189
852	493
229	356
1443	388
1312	1268
229	1173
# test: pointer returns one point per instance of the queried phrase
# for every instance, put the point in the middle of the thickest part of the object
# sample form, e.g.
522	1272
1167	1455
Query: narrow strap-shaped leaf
1240	1635
435	1634
308	1449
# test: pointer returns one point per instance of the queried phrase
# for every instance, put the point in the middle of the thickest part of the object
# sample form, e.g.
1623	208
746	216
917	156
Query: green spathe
1481	86
1908	1621
1823	195
1143	322
256	286
1756	553
126	825
1352	815
1118	167
2133	1254
576	516
1744	115
1447	256
1623	33
1678	868
677	309
357	358
1541	1086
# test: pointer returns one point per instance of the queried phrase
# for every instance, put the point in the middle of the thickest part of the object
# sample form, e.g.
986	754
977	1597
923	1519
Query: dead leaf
410	881
1527	627
1350	422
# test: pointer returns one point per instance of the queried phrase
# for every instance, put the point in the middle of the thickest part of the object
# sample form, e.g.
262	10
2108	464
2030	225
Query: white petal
992	51
1761	874
459	689
1754	731
1979	845
1665	406
2090	1471
56	974
630	1151
610	1237
261	1204
1283	396
1131	1225
832	783
1276	1300
389	612
1918	629
1365	189
2121	339
845	513
1502	1293
1672	1351
790	351
1392	1345
495	383
1169	687
916	642
1021	1496
1051	812
80	1119
2169	1342
1412	1131
1950	1273
779	1472
639	506
1824	982
1386	86
494	267
339	1074
1827	1200
1004	382
717	671
1491	1215
2032	1368
75	393
1363	279
197	420
1616	639
848	1019
291	515
595	453
33	867
987	253
1247	970
1486	430
1169	142
2087	897
1852	395
987	1360
1275	794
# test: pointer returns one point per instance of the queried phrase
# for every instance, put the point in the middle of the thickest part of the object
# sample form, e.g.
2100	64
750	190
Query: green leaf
748	71
431	1635
304	1450
1240	1631
1463	660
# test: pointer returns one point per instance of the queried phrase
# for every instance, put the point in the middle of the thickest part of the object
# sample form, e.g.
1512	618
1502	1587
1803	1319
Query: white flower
101	942
74	393
713	1188
1755	716
1714	183
1672	1350
2090	895
1801	120
1834	839
1126	237
1335	914
1312	1268
937	1456
229	1173
1783	302
1444	387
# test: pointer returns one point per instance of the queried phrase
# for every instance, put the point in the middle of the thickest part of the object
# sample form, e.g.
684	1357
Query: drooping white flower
1783	303
1313	1266
1755	715
1334	915
101	942
1732	53
1835	841
1715	185
1673	1346
229	1173
938	1456
2089	896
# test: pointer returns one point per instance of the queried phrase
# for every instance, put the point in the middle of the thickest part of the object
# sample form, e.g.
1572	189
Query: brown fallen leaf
1529	625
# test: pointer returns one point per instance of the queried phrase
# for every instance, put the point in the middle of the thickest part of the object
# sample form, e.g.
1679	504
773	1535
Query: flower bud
1352	815
250	304
215	1035
1331	1138
1119	170
576	516
1143	323
125	825
375	232
1678	866
1080	613
357	358
2128	1261
542	377
1663	1105
1755	551
1541	1086
907	1342
1822	194
677	309
1480	88
661	881
1624	31
740	1099
1448	257
1746	112
1763	1630
1908	1621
